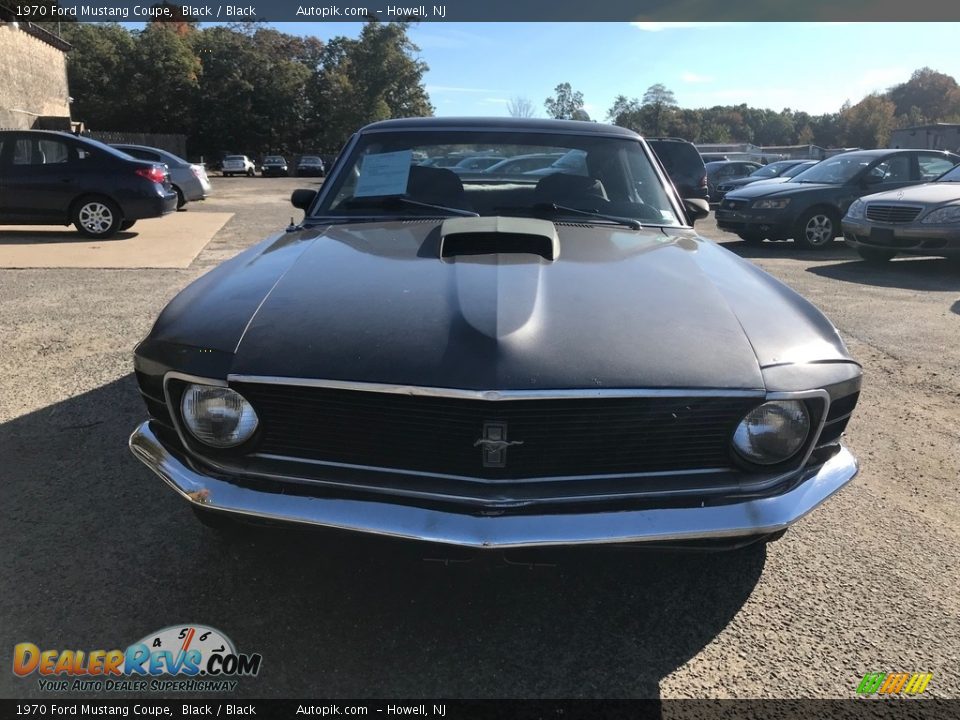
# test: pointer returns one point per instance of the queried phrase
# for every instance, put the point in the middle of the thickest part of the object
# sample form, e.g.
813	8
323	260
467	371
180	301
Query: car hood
373	302
768	189
928	194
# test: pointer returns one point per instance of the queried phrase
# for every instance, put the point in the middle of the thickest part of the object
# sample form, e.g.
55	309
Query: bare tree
521	107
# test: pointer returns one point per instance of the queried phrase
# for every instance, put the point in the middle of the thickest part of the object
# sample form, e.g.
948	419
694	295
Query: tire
127	224
816	229
251	173
219	522
876	256
226	174
181	200
96	217
751	238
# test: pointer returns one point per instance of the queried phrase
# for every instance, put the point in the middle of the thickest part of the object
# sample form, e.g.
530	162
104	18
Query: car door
40	178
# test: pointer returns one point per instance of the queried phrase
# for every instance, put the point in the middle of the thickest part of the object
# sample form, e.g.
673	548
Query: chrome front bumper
750	517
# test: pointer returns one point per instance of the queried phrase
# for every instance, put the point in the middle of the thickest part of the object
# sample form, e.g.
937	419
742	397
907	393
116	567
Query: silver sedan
919	220
189	180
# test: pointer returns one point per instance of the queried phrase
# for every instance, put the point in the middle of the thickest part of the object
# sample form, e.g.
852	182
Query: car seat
579	191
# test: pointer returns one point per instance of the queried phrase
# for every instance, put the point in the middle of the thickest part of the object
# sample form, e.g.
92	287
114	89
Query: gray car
189	180
919	220
545	360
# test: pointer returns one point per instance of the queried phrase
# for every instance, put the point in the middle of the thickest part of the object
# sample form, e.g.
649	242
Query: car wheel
876	255
220	522
181	200
751	238
250	173
96	217
226	174
127	224
816	229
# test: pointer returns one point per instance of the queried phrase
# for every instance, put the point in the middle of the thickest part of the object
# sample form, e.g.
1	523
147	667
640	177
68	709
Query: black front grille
892	213
560	437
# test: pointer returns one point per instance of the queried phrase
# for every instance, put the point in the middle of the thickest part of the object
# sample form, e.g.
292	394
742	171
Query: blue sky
475	68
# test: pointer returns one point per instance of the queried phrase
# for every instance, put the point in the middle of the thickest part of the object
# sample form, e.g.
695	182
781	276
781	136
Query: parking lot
98	553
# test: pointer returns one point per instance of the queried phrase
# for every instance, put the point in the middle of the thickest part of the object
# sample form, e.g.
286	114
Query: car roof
507	124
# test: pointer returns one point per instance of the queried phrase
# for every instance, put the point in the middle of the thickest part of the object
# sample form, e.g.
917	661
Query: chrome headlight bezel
216	416
749	446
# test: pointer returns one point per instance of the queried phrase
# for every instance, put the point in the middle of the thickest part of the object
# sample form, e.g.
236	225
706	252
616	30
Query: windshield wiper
555	209
394	201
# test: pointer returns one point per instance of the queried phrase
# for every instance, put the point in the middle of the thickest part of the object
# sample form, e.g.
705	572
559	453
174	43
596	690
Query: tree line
249	88
927	97
242	88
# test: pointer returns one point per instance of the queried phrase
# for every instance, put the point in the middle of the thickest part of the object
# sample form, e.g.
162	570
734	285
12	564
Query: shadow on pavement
101	553
956	307
907	273
787	249
38	237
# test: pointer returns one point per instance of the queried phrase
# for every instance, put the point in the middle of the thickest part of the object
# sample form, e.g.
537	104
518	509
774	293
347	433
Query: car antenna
291	227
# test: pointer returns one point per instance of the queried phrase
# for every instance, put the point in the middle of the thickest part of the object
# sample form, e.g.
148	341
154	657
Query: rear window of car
241	158
678	157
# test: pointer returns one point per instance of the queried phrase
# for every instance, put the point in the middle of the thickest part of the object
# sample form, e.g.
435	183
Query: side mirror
697	208
303	199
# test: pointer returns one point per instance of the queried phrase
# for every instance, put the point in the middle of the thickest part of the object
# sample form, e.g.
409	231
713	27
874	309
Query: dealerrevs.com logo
185	658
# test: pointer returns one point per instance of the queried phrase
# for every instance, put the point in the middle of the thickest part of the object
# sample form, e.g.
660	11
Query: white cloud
690	77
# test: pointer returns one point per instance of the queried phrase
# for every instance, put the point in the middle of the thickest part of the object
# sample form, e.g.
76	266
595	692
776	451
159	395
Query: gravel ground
97	553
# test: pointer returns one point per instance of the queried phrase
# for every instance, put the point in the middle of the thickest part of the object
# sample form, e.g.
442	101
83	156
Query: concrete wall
33	79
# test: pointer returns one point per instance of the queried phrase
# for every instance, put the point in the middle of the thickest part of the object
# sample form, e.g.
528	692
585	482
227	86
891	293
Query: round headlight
772	432
217	416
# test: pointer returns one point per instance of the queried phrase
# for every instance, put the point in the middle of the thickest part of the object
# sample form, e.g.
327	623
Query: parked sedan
556	360
809	207
920	220
310	165
766	172
722	172
54	178
476	163
189	180
274	166
523	163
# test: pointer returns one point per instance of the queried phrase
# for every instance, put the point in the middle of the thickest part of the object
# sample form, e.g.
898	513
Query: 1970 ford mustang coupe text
497	359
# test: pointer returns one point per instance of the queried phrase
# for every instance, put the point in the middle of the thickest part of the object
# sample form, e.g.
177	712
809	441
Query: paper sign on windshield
384	174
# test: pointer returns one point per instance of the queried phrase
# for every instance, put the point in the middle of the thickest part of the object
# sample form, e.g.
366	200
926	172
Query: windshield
274	159
769	171
836	170
235	158
952	175
603	175
797	169
310	159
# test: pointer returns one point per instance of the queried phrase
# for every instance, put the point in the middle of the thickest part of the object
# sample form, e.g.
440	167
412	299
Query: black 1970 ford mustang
497	360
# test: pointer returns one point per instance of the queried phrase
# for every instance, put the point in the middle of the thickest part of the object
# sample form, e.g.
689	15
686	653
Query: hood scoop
498	235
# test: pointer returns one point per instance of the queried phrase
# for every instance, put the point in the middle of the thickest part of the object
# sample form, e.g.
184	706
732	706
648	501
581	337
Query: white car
238	165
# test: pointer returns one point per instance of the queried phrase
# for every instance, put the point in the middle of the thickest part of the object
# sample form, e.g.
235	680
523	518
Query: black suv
53	178
808	207
683	164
